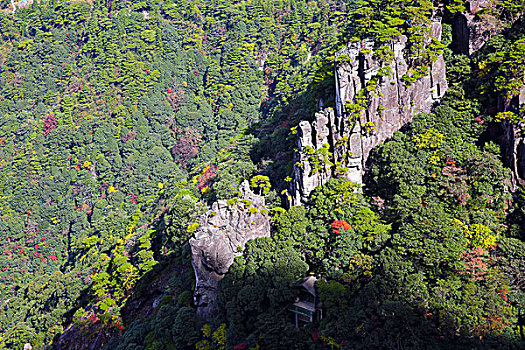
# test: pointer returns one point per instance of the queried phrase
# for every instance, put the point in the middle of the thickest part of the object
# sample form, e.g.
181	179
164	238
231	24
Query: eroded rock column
220	238
391	104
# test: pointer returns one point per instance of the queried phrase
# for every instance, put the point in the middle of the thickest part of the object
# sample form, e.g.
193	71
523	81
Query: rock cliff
512	140
333	144
470	31
311	168
394	103
514	152
474	27
220	238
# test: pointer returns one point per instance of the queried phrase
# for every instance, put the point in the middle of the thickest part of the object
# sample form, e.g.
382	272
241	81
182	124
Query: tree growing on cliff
260	183
511	69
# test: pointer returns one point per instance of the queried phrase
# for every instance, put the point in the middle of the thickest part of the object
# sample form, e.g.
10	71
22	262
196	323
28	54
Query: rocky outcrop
220	238
312	138
395	102
472	29
514	151
390	106
512	139
468	31
90	337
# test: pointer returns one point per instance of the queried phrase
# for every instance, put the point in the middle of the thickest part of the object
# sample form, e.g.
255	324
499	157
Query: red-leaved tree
187	146
338	224
49	124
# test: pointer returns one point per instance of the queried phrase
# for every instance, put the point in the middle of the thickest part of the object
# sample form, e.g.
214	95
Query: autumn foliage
49	124
206	177
187	146
338	224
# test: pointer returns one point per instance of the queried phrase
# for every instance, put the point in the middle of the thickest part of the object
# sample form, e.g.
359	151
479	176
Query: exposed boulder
220	238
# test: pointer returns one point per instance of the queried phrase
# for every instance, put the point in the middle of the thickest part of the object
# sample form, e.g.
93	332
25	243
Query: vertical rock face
471	31
312	137
519	145
221	236
394	103
514	151
389	107
513	141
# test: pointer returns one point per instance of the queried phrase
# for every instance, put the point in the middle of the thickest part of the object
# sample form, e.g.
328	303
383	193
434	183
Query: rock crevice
471	31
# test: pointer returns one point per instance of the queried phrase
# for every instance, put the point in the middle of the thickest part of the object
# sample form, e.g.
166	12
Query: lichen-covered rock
221	236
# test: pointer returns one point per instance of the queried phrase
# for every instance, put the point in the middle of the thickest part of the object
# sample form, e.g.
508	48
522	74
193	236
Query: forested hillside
122	122
108	109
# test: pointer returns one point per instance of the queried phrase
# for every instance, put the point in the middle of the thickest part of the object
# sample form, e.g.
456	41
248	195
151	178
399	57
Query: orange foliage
337	224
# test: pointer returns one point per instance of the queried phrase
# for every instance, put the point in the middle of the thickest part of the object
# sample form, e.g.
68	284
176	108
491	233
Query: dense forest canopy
121	122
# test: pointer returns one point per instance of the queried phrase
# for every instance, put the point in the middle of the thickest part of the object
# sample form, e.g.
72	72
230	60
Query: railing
353	48
338	102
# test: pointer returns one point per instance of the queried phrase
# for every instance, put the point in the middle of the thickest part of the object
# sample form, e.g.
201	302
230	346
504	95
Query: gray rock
390	107
398	102
312	136
220	238
512	140
513	147
472	30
